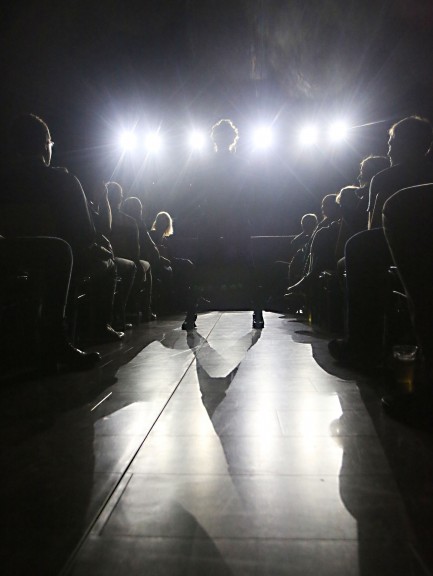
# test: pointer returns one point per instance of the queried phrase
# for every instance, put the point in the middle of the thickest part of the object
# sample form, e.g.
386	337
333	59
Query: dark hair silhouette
371	166
29	136
114	193
410	138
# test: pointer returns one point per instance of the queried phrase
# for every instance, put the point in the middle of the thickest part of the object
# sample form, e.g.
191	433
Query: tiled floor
227	451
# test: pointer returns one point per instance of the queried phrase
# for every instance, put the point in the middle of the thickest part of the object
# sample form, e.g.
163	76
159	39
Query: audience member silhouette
103	268
353	200
39	200
291	270
176	274
149	252
321	247
308	224
367	255
408	144
135	273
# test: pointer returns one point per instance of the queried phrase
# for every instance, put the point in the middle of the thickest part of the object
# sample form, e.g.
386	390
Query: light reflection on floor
234	453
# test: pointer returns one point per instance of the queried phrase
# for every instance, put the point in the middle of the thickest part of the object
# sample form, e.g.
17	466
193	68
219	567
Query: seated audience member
321	246
409	142
367	255
182	269
277	274
135	272
160	267
39	200
298	248
102	268
353	200
407	222
48	262
308	225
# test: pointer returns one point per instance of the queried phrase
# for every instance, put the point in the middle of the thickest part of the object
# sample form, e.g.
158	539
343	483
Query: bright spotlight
263	137
338	131
128	140
153	142
309	135
197	140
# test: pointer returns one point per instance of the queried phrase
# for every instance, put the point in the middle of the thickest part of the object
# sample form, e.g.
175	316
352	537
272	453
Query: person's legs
143	287
102	288
49	262
126	270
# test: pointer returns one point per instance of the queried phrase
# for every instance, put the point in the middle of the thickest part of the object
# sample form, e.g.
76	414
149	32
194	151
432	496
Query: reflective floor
227	451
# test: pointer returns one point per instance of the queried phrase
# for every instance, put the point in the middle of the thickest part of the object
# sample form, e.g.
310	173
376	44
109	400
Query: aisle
232	451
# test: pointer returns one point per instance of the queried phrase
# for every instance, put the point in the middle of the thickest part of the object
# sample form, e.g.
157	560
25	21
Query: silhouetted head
163	224
371	166
330	208
224	136
114	194
409	139
309	223
133	207
31	138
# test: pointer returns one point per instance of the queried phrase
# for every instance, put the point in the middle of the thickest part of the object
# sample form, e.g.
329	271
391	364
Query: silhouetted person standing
223	227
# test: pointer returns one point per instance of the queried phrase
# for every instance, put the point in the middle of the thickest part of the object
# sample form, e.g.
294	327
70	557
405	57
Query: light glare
197	140
263	137
128	140
309	135
153	142
338	131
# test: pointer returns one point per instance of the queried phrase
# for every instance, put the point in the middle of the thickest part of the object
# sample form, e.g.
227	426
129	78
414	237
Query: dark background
91	69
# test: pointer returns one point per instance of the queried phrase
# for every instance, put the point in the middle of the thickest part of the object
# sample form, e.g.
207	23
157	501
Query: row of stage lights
262	138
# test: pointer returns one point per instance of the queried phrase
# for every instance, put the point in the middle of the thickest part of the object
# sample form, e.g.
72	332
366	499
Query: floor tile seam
197	537
229	408
117	490
125	472
269	436
267	475
261	475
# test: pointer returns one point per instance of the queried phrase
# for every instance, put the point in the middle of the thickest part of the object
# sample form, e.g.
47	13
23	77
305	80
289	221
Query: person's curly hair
224	135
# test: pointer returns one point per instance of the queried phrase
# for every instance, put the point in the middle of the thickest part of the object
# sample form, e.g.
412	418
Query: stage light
309	135
262	137
128	140
338	131
153	142
197	140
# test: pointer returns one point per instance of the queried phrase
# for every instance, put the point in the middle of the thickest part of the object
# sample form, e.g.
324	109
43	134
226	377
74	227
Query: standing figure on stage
223	227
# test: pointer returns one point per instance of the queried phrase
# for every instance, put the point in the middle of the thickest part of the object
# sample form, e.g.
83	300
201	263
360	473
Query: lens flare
263	137
197	140
128	140
309	135
338	131
153	142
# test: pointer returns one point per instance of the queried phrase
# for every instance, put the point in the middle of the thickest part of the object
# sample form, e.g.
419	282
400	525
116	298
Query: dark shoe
189	323
123	327
76	359
108	334
148	317
258	321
